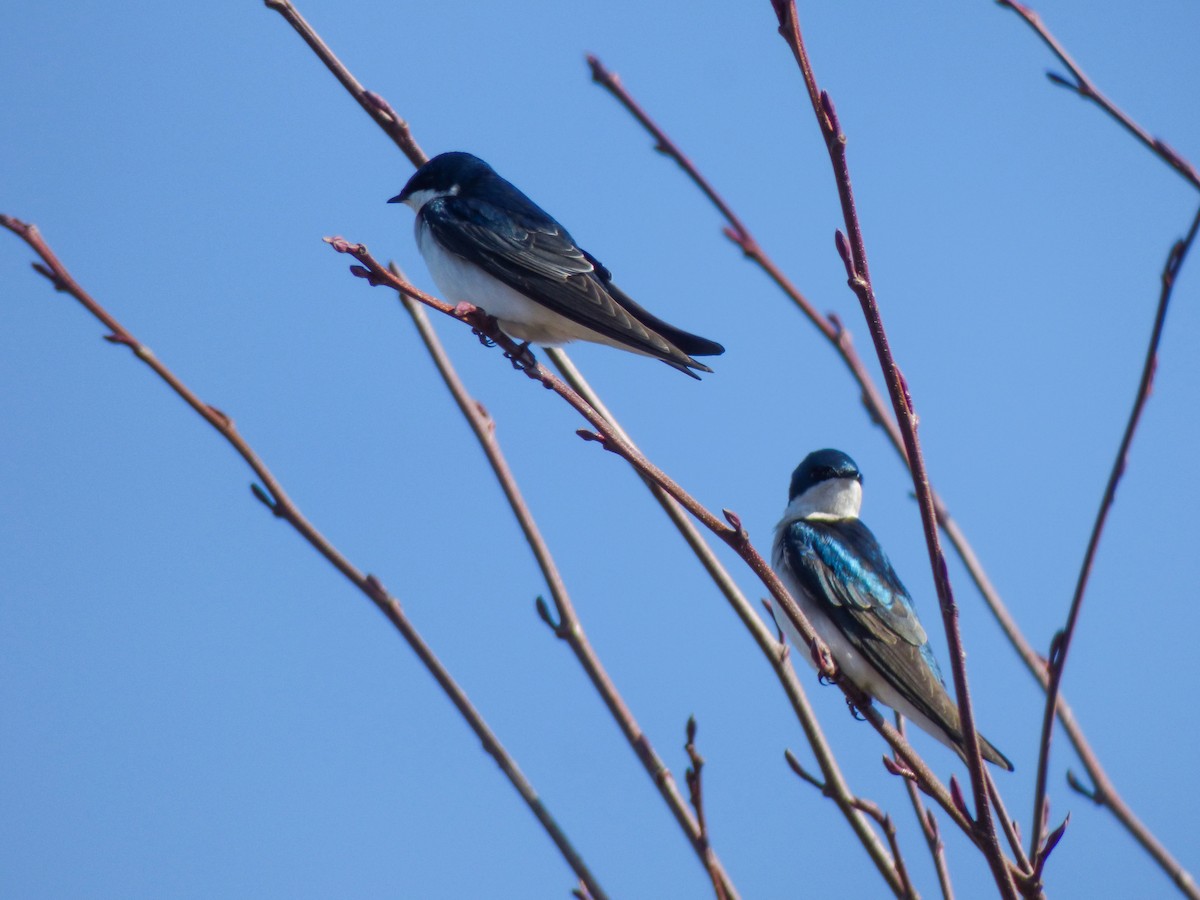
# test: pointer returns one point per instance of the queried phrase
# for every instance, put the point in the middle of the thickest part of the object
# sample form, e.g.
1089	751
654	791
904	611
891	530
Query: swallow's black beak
399	198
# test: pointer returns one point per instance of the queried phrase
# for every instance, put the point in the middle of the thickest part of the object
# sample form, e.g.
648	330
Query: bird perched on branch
487	244
835	569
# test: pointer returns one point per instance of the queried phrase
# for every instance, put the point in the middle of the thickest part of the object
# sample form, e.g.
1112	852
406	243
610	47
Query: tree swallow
837	572
488	244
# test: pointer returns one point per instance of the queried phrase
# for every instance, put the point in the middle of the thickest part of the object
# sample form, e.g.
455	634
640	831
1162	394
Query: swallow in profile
487	244
835	569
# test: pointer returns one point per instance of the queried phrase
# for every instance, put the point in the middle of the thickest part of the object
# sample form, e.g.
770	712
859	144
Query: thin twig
1103	792
695	785
567	626
871	809
1062	642
276	499
376	107
1084	87
374	273
397	128
770	644
732	533
852	249
880	412
929	828
1009	826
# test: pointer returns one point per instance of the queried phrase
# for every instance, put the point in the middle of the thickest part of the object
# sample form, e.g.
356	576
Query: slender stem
1008	825
695	783
1084	87
376	107
568	626
1103	791
284	508
775	653
1062	643
733	534
397	128
929	827
871	809
736	536
880	412
854	255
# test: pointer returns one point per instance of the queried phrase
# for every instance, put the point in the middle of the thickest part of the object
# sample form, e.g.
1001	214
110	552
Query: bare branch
716	570
1062	642
771	645
566	625
696	796
376	107
273	495
612	440
871	809
1083	86
839	337
853	252
929	826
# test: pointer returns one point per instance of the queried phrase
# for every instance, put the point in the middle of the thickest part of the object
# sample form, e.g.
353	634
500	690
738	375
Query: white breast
851	663
526	320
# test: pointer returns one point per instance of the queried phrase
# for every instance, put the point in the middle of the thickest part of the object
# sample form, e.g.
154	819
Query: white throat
417	199
837	498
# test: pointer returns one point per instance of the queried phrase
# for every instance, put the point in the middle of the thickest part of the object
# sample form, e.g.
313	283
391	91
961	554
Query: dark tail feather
992	755
686	367
691	344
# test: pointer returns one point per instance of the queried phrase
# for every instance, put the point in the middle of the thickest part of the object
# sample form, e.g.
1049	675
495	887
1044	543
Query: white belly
522	318
850	662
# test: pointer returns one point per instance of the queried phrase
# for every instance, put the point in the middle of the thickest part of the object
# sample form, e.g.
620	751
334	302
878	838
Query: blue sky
194	704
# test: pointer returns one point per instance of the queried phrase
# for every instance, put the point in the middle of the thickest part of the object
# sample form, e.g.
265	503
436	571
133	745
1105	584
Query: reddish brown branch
695	785
784	672
610	438
1062	641
929	826
273	495
567	626
871	809
854	255
614	441
376	107
772	647
1085	88
490	332
1104	791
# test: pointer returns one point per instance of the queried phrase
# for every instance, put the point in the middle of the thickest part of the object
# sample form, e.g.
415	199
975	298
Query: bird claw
522	358
854	710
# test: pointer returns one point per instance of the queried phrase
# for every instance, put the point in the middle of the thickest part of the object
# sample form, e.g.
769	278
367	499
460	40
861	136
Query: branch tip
1054	837
835	127
590	436
846	254
260	493
1082	789
543	611
956	795
803	773
1054	78
896	767
224	418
